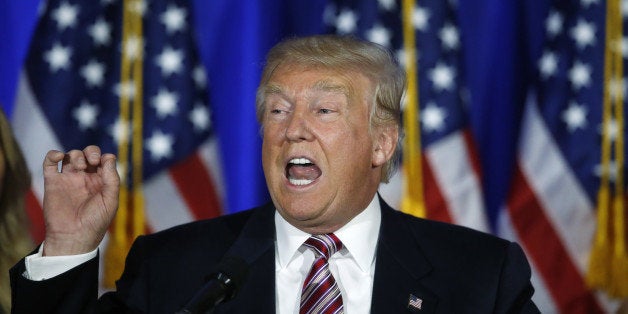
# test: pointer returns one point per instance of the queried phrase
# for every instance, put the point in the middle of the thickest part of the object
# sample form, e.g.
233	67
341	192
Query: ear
385	144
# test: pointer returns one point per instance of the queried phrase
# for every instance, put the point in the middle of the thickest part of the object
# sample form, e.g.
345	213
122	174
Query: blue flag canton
570	85
73	67
443	95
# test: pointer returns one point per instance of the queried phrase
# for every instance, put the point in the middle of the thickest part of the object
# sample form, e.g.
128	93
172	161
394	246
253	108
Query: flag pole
412	202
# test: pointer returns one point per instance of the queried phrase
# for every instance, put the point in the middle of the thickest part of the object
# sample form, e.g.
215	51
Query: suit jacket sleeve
515	289
74	291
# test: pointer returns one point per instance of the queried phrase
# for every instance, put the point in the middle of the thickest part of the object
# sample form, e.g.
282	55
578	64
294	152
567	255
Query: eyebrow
322	85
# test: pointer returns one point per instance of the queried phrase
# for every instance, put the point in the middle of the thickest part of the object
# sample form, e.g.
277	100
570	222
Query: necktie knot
324	244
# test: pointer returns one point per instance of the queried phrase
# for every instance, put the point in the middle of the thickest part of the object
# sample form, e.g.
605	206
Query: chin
299	210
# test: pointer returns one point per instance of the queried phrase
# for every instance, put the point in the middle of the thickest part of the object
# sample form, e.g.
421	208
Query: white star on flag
93	73
584	34
120	131
65	15
449	36
580	75
170	61
433	118
174	19
548	64
159	145
420	17
442	76
379	35
100	32
58	57
575	117
86	115
346	22
554	24
199	76
199	116
165	102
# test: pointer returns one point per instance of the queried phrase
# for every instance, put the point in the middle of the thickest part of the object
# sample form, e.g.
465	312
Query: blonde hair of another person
15	180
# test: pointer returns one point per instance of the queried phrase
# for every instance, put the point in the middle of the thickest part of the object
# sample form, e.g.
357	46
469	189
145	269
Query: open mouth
302	171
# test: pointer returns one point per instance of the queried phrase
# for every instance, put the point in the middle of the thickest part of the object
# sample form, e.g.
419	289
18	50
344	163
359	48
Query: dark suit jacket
450	268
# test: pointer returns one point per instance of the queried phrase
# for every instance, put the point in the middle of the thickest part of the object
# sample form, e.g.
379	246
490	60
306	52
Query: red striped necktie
321	294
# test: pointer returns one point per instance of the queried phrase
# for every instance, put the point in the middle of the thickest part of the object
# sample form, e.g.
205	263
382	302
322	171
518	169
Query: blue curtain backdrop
500	38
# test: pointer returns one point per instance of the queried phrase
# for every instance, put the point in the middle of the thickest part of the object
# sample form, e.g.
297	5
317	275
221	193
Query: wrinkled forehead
290	77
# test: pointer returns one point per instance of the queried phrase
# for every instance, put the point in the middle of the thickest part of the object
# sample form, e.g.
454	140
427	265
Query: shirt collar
358	236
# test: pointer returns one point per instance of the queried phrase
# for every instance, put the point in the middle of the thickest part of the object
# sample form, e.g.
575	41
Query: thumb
51	162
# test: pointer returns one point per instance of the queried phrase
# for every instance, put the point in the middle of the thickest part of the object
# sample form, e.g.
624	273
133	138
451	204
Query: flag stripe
472	155
452	167
164	209
436	206
545	248
572	215
195	187
35	216
209	153
34	133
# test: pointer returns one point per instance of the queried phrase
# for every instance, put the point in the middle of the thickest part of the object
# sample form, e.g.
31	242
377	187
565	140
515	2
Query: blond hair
14	236
345	53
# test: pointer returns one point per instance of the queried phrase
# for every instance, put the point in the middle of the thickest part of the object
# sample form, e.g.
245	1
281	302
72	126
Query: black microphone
221	286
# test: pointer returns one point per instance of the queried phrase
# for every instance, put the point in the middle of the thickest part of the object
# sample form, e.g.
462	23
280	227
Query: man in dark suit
330	113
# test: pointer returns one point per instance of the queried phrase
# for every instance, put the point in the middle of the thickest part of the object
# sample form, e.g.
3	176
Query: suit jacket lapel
256	246
400	265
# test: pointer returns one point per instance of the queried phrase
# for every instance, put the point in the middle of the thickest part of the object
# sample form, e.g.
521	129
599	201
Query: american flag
550	209
69	97
414	303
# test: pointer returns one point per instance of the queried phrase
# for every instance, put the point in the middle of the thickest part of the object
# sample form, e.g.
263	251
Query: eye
325	111
277	109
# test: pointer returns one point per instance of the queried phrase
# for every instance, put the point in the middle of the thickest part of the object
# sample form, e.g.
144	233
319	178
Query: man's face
322	164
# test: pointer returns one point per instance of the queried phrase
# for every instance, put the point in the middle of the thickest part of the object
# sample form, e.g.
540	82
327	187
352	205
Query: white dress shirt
39	267
353	267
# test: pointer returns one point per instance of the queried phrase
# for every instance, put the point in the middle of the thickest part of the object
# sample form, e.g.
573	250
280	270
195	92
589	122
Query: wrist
59	247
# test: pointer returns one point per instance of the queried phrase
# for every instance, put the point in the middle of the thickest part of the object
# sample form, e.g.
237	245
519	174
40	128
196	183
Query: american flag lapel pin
414	303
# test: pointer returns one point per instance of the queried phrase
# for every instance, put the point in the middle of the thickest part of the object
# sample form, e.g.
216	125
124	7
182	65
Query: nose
298	128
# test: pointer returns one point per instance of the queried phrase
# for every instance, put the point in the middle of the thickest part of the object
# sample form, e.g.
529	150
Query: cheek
274	132
351	151
272	143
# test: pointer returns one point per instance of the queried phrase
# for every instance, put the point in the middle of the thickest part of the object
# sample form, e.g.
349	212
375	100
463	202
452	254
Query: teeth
300	181
300	161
